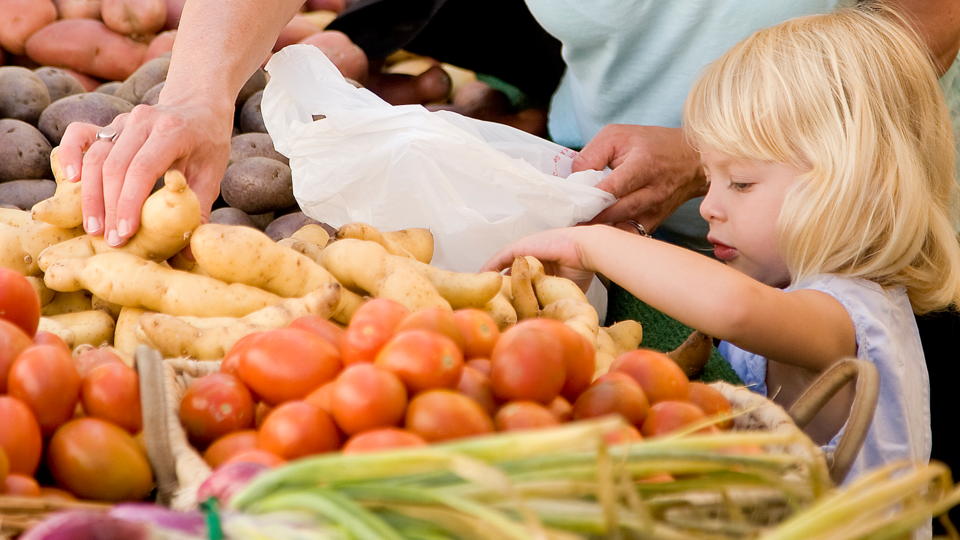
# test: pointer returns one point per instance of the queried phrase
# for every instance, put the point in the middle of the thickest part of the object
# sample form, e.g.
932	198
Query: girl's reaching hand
558	249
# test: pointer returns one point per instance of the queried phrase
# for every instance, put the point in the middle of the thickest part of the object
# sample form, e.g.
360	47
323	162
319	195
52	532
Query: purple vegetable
185	522
85	525
228	480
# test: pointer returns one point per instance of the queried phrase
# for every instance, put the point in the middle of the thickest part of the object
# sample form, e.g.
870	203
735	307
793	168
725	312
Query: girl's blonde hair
852	98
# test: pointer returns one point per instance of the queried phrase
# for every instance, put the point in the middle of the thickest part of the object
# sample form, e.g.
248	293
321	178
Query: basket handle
153	404
861	413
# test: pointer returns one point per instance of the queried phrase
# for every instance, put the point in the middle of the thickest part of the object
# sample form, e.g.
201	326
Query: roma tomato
286	364
476	386
44	378
97	460
579	355
659	376
528	364
480	364
328	330
93	357
479	331
296	429
111	391
436	319
227	446
382	439
4	465
366	397
20	485
371	326
56	494
323	397
667	416
423	360
518	415
20	437
613	395
13	341
710	401
215	405
19	302
256	456
439	415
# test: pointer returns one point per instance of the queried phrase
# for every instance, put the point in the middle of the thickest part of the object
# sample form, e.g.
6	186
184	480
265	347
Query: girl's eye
740	186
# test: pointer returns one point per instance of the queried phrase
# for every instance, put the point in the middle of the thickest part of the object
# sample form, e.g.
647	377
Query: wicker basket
17	514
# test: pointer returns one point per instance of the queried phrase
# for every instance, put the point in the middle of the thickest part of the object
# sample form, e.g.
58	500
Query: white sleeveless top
887	336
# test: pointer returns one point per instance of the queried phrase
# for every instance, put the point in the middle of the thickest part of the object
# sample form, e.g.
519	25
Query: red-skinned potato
345	54
78	9
174	9
295	31
86	46
134	17
31	15
161	44
326	5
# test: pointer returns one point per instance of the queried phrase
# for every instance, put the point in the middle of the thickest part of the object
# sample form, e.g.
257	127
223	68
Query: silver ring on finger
108	134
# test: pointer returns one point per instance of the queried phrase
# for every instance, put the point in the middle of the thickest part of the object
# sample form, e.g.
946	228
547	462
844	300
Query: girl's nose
710	208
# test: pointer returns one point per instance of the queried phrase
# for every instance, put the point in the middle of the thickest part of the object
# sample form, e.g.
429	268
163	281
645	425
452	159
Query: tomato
20	485
614	395
97	460
439	415
627	434
230	444
527	364
480	364
215	405
49	338
19	302
111	391
4	465
479	331
296	429
367	397
20	436
286	364
579	355
93	357
561	408
56	494
13	341
322	397
260	411
476	385
256	456
423	360
436	319
659	376
371	326
382	439
44	378
710	401
667	416
328	330
518	415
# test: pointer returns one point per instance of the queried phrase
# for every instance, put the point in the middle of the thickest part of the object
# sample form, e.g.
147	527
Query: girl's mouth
723	252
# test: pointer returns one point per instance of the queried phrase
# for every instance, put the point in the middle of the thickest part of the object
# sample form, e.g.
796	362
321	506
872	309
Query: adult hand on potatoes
655	170
560	251
116	177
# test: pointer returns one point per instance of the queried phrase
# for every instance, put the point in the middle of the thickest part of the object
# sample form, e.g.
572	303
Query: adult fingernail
123	227
71	173
113	239
92	225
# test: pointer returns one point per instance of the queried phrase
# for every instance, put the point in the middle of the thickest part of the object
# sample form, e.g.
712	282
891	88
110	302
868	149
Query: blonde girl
828	150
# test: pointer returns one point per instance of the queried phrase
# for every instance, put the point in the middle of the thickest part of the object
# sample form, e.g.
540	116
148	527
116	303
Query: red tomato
371	326
20	485
436	319
286	364
322	327
710	401
230	444
56	494
366	397
13	341
579	355
19	302
561	408
667	416
423	360
476	386
4	465
528	364
93	357
44	378
260	412
49	338
627	434
518	415
659	376
296	429
382	439
614	395
479	331
256	456
111	391
480	364
215	405
323	397
20	436
98	460
439	415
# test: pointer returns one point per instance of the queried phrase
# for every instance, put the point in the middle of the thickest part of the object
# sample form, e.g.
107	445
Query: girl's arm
806	328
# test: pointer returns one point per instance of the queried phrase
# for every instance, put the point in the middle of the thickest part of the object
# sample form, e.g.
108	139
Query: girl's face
742	207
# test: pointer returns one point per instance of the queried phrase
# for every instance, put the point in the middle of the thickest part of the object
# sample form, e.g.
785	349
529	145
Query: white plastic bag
476	185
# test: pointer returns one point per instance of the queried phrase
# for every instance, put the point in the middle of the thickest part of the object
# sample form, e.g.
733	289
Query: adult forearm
219	45
938	24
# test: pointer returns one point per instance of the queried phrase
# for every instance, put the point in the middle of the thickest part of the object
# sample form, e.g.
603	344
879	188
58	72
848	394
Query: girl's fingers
91	187
76	139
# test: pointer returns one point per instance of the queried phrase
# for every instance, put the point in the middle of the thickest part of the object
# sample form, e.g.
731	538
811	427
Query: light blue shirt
887	336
